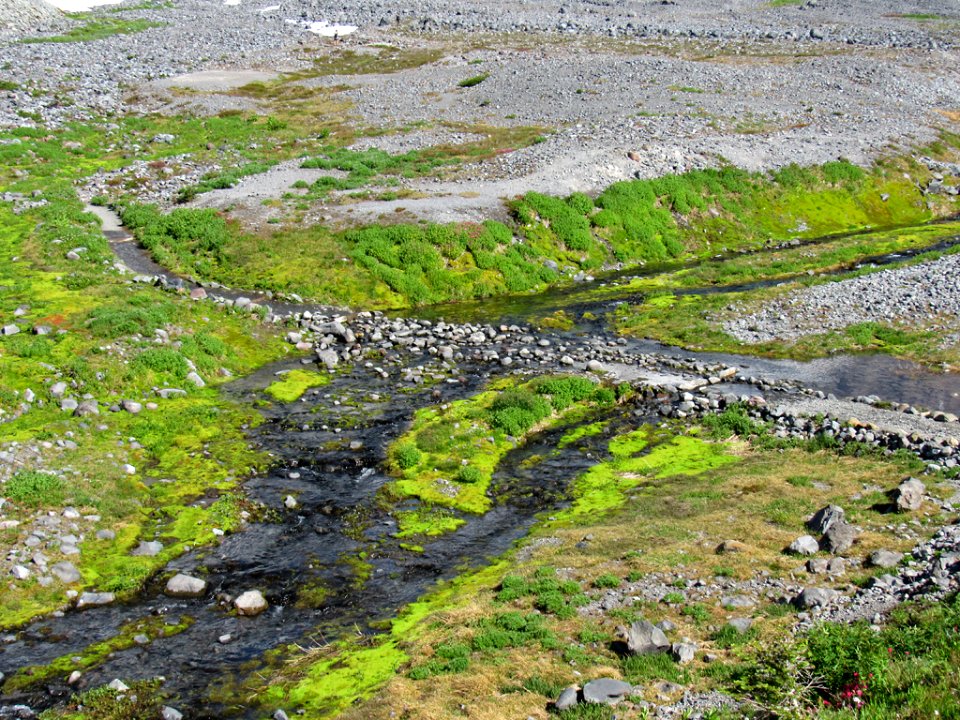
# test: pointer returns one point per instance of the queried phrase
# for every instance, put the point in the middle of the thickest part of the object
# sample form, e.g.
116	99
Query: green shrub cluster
550	594
34	489
567	219
566	391
185	237
907	669
138	314
734	420
407	456
516	411
437	263
506	630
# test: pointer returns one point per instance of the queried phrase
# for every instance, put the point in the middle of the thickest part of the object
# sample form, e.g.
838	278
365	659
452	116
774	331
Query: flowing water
315	546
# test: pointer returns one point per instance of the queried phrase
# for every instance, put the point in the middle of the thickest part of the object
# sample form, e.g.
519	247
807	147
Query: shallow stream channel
330	563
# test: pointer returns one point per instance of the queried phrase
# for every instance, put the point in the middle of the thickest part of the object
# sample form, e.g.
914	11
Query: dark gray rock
66	572
823	518
840	537
814	597
884	559
568	698
644	638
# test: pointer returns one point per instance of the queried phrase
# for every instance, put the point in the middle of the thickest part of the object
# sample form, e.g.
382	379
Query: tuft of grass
473	81
34	489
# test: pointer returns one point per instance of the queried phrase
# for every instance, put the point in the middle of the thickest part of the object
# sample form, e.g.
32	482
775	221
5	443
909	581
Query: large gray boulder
840	537
884	559
645	638
66	572
568	698
814	597
606	691
95	599
909	495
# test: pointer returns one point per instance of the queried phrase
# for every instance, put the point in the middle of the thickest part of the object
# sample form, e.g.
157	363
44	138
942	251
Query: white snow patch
325	29
231	2
270	8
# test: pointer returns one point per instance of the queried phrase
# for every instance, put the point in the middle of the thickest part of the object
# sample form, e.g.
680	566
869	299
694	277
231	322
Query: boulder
148	549
250	603
87	407
328	358
804	545
840	537
95	599
884	559
909	495
644	638
814	597
823	518
606	691
683	652
737	602
181	585
568	698
741	625
66	572
730	547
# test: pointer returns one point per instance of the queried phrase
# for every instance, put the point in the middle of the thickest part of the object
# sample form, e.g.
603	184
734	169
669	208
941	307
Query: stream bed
332	563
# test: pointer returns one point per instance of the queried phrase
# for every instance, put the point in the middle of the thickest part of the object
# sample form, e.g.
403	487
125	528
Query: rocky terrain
604	92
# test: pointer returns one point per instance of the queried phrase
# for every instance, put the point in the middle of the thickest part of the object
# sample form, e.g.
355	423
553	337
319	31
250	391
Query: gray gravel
925	295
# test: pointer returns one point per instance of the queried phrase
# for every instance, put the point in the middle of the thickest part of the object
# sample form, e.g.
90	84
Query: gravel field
925	295
676	85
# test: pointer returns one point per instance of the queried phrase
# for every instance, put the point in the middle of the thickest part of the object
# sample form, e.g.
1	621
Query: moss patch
295	383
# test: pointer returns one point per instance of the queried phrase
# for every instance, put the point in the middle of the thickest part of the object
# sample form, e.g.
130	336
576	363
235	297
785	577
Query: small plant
473	81
607	580
469	475
673	598
697	612
407	456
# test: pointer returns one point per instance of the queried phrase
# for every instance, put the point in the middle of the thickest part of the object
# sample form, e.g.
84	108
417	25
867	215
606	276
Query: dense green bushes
907	669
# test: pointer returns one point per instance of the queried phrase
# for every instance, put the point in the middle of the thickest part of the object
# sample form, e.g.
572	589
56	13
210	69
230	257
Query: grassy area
295	383
635	221
97	29
506	639
115	342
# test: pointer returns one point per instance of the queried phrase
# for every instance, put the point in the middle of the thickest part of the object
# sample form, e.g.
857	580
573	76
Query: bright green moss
295	383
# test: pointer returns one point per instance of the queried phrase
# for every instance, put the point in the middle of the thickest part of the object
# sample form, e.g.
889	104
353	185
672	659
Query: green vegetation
153	628
34	489
295	383
97	29
448	456
473	81
144	701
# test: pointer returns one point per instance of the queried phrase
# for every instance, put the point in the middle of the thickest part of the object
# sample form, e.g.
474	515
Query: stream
329	449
